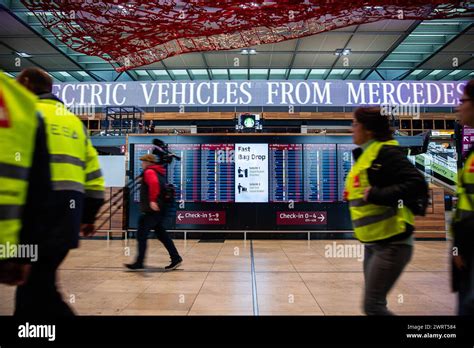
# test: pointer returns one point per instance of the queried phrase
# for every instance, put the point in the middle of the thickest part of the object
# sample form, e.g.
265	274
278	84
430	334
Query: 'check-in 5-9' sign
200	218
301	218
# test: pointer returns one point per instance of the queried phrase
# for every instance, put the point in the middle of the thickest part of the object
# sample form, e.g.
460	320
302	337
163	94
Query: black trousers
39	296
147	222
383	265
466	286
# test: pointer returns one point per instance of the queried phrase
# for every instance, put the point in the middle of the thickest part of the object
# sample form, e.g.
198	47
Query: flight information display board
286	172
344	165
295	172
320	172
185	175
217	170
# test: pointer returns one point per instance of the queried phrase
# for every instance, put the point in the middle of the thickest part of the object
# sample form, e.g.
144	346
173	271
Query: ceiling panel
10	65
314	60
280	60
9	26
445	61
387	25
372	42
289	45
463	43
323	42
30	45
228	60
358	60
57	63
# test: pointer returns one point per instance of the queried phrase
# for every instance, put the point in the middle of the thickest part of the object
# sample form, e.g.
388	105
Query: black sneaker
174	264
135	266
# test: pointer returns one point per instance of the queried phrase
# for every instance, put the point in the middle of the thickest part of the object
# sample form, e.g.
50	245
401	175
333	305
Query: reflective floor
244	278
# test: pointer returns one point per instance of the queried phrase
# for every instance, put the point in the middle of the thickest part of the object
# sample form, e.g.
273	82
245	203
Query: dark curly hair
372	120
469	89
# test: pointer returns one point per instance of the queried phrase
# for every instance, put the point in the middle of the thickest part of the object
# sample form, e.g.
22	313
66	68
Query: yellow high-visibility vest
465	190
372	222
18	127
74	161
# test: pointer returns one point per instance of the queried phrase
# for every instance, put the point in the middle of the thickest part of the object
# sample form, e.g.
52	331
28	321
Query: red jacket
150	179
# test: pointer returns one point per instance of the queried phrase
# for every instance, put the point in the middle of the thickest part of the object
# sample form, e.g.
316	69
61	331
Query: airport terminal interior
253	103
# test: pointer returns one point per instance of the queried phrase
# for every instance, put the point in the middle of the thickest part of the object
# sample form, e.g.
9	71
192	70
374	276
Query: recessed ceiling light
248	51
24	55
342	51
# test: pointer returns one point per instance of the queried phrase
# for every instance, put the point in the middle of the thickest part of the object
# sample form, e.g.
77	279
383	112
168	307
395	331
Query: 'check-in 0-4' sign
200	217
301	218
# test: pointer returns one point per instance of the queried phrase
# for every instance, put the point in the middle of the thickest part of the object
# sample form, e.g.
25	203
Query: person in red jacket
152	215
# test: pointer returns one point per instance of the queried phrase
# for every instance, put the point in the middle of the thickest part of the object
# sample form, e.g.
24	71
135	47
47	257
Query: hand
366	193
88	230
154	206
459	262
13	273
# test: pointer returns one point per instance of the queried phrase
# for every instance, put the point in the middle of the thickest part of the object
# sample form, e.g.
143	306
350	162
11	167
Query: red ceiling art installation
133	33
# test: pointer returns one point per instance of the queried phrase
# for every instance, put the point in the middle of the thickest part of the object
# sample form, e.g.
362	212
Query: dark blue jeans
147	222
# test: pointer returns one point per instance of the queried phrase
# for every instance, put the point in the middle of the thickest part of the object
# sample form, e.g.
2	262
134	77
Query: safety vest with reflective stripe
74	161
372	222
18	127
465	190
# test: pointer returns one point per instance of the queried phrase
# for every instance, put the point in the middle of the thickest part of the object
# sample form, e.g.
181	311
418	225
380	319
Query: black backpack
167	196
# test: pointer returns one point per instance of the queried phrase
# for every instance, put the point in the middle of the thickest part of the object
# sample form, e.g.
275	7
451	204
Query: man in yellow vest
463	220
382	189
78	192
24	180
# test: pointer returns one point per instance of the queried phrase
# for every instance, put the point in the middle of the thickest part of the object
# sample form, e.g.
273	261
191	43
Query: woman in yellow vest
463	221
380	188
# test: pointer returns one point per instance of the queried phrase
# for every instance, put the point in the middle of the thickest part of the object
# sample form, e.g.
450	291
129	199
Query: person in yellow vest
78	193
381	189
24	181
462	227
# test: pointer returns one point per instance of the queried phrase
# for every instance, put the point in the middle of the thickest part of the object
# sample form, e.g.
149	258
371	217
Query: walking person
25	179
382	189
152	213
462	227
77	195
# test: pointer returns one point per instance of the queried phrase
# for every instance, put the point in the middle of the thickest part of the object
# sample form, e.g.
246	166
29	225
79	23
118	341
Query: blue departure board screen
217	168
185	175
286	172
345	162
320	172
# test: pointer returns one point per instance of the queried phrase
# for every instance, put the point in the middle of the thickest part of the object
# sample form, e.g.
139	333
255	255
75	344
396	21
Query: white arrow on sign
466	138
180	217
321	217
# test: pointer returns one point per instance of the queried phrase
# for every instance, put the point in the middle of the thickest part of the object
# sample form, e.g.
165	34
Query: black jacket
35	227
393	177
67	210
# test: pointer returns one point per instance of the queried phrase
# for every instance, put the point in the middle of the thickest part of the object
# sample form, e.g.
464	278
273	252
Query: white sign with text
251	173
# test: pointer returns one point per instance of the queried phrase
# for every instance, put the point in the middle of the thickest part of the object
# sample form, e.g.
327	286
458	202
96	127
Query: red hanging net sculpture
133	33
